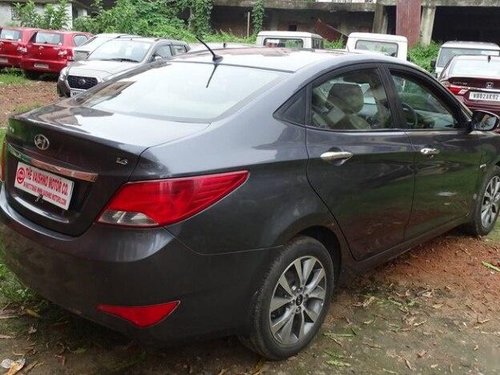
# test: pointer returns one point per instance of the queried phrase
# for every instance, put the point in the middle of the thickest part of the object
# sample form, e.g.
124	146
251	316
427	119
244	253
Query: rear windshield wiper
122	59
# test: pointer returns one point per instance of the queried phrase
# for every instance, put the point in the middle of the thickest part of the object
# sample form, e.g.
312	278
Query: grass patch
12	291
26	107
12	77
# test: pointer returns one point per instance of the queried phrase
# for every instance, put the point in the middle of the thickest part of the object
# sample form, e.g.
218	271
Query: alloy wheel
298	300
490	203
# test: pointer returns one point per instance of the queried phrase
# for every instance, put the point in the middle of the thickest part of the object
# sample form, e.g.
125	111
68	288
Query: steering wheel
411	115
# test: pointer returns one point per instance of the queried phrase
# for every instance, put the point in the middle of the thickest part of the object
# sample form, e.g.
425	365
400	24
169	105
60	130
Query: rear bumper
38	65
9	61
108	265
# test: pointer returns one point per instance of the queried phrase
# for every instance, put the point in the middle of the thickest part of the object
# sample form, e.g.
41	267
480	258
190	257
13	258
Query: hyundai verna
229	194
475	81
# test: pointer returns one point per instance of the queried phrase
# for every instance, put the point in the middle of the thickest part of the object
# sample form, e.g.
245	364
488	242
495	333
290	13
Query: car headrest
346	96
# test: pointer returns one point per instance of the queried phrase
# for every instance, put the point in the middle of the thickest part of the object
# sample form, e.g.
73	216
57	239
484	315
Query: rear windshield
10	34
446	54
387	48
284	42
48	38
473	68
181	91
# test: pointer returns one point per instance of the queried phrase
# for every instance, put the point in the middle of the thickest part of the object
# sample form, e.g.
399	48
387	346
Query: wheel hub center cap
299	300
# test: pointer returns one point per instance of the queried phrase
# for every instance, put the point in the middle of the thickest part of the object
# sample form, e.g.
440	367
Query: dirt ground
434	310
19	98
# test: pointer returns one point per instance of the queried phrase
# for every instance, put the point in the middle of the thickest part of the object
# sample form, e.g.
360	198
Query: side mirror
157	58
433	64
484	121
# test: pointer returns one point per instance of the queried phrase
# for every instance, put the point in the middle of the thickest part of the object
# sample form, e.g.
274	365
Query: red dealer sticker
45	185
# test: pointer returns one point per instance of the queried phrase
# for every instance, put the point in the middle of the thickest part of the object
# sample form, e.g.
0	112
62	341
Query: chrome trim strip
79	175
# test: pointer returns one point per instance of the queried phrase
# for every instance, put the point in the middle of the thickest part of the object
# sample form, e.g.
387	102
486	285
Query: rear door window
79	40
42	37
178	49
7	34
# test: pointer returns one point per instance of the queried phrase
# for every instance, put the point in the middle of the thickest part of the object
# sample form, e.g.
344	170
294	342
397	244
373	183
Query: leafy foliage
423	55
258	16
336	44
53	17
158	18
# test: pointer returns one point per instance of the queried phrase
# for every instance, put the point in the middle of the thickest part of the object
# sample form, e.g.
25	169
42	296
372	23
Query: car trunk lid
92	151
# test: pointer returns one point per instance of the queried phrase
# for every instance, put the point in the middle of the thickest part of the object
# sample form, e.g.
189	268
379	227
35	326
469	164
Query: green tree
53	17
258	16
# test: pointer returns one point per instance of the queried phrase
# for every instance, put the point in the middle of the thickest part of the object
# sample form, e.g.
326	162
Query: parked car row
37	51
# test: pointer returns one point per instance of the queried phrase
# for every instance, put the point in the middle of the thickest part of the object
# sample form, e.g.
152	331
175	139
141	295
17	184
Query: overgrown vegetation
54	16
423	55
160	18
336	44
258	16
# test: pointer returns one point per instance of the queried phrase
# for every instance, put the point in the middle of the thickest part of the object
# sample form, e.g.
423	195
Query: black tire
30	74
304	302
488	202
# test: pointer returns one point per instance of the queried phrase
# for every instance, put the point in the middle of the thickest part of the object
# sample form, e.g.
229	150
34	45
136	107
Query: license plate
487	96
41	66
75	92
4	61
44	185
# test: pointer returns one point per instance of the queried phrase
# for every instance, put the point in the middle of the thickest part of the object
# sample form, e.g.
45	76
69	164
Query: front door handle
427	151
333	156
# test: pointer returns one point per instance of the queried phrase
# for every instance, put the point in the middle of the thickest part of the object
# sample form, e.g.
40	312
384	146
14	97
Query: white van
451	49
391	45
289	39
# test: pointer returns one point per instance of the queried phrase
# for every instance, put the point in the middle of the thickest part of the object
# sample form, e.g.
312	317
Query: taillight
162	202
456	90
65	53
3	161
141	316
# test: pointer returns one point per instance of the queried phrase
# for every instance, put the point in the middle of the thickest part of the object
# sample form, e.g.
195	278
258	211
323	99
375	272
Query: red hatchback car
49	51
475	81
13	42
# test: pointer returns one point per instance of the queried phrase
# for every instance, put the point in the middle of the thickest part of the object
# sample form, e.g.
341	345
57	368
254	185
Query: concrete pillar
427	24
380	20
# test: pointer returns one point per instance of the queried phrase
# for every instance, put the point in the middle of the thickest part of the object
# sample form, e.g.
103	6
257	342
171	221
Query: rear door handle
333	156
427	151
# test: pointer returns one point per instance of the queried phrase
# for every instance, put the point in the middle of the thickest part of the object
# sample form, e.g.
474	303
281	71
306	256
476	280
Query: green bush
53	17
423	55
336	44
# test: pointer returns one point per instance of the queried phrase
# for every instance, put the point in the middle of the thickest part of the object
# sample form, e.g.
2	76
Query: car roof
379	37
475	57
472	45
288	34
151	40
283	59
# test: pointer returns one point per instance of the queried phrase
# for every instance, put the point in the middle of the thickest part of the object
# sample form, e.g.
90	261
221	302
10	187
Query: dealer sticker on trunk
44	185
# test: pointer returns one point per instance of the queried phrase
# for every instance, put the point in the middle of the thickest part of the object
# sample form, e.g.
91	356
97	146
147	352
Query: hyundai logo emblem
489	85
41	142
82	81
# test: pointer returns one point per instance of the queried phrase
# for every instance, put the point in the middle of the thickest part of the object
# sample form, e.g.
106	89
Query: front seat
347	100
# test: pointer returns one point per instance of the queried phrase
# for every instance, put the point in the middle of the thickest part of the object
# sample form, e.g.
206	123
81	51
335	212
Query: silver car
83	51
115	56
